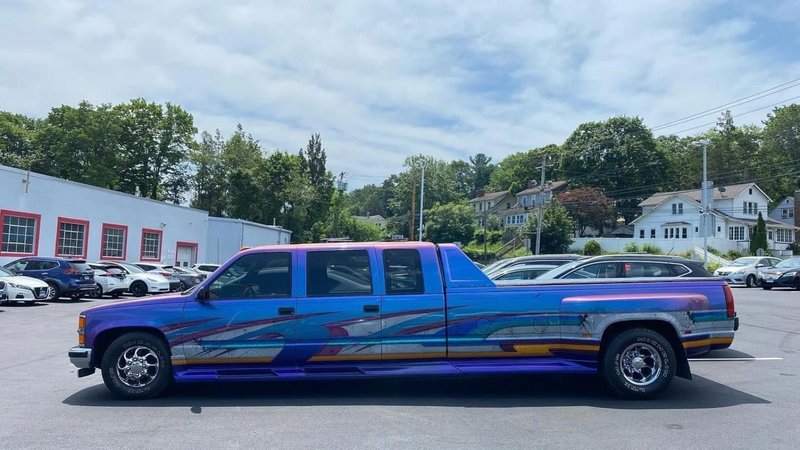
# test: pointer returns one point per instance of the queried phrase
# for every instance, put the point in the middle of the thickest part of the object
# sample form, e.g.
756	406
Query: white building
47	216
674	220
227	236
783	211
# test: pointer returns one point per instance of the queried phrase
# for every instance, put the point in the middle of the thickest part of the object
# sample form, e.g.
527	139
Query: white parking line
773	358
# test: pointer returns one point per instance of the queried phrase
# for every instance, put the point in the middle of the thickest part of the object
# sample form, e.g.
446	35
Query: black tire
750	281
624	382
114	296
766	288
138	289
54	290
797	284
154	381
75	297
98	292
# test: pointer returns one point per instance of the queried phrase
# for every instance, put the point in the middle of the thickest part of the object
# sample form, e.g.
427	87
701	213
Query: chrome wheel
51	293
137	366
640	364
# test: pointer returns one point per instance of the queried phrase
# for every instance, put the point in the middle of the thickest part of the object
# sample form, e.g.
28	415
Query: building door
186	254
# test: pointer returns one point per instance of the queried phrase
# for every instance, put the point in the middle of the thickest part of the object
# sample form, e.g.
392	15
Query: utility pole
705	194
413	211
421	200
485	219
541	207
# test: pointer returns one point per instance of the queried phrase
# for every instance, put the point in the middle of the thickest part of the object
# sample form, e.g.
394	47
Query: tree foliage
557	228
759	238
588	207
450	222
515	171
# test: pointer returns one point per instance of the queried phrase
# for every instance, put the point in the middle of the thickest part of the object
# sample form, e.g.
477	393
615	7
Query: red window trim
160	234
24	215
85	224
185	244
114	226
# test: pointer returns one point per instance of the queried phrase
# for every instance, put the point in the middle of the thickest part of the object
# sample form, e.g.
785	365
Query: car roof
640	257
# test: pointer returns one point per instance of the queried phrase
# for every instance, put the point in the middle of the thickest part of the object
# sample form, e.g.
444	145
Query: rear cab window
402	270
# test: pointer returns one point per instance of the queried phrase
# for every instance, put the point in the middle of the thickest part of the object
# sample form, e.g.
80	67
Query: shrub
592	248
733	254
630	247
714	251
713	266
651	249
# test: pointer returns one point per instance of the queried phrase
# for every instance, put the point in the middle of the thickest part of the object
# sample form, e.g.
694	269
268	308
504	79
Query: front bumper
81	357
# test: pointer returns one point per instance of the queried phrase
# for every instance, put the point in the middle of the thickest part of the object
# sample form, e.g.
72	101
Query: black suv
628	266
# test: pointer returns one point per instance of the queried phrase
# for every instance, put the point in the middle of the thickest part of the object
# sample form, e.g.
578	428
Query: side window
47	265
34	265
599	270
257	275
18	265
403	272
679	270
513	276
338	272
636	269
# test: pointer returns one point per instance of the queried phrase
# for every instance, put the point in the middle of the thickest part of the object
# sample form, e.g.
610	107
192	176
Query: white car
142	283
744	271
14	288
205	269
110	280
164	270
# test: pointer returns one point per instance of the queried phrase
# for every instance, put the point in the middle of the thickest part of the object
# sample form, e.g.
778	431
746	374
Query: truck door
413	319
247	317
339	315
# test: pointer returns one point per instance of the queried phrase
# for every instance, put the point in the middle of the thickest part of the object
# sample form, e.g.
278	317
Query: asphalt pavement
730	403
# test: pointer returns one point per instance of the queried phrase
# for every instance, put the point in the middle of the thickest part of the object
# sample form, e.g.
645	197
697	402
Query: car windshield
5	273
131	268
744	261
789	263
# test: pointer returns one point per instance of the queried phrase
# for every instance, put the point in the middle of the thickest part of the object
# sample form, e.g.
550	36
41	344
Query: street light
705	194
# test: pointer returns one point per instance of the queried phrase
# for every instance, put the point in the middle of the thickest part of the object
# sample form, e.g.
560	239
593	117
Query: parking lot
729	404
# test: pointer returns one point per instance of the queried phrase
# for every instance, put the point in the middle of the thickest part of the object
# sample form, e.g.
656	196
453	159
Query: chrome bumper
81	358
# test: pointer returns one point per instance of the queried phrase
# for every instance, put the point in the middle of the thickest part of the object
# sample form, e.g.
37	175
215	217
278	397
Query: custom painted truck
400	309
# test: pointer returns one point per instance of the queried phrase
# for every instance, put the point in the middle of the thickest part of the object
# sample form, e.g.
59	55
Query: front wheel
137	366
751	281
139	289
53	291
638	363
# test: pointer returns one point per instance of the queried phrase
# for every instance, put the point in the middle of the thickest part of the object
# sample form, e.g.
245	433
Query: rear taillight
729	307
71	271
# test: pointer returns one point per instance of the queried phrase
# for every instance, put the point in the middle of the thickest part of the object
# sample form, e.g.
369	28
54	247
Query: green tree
463	178
241	161
618	155
319	178
17	140
369	199
516	170
557	229
482	168
208	182
759	238
781	151
450	222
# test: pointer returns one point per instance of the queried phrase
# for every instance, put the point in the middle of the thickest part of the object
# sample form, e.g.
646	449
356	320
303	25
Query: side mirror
202	295
759	266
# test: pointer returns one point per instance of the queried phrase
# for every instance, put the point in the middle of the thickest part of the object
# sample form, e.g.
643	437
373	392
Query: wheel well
659	326
104	339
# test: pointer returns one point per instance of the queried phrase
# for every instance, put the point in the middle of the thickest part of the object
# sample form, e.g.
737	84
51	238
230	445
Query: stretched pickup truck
399	309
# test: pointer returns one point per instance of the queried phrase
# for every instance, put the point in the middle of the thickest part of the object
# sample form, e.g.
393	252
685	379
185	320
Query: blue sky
383	80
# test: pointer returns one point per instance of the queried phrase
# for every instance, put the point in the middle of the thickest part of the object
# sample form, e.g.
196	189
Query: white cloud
380	80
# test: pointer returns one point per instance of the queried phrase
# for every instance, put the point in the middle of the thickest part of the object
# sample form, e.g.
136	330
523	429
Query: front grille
723	273
40	292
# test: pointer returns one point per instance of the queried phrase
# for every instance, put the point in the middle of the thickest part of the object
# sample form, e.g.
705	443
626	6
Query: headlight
741	272
789	274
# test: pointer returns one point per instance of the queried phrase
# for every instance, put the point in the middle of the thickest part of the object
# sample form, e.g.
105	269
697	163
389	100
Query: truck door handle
370	308
286	310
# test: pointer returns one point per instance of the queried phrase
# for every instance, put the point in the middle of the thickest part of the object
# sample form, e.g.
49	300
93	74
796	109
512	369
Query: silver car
744	271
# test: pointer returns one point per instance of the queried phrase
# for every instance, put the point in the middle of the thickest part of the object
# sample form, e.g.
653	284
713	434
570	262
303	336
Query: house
783	211
490	203
675	219
375	219
48	216
527	202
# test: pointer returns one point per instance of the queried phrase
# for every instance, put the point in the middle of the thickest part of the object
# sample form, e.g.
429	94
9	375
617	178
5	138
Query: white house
47	216
490	203
783	211
673	220
528	201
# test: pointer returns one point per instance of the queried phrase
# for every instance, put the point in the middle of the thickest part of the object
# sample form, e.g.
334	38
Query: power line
740	114
726	104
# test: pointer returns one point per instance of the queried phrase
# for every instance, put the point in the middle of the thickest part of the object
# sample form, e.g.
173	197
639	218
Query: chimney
796	210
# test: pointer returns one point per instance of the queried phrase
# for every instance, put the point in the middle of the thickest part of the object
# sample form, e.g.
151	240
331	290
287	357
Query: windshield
131	268
789	263
744	261
5	273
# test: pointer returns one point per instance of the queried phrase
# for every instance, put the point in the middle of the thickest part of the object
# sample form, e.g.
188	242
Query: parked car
71	278
555	260
392	309
522	272
110	280
141	282
628	266
744	271
205	268
784	274
15	288
188	278
165	270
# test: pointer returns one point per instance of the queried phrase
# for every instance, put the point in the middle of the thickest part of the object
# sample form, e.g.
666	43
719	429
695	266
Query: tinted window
679	270
17	265
80	267
343	272
513	276
257	275
599	270
640	269
34	265
146	266
207	268
403	270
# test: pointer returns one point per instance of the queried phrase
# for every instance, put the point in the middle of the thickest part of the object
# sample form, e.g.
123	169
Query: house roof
622	230
782	204
752	222
554	186
489	196
720	193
